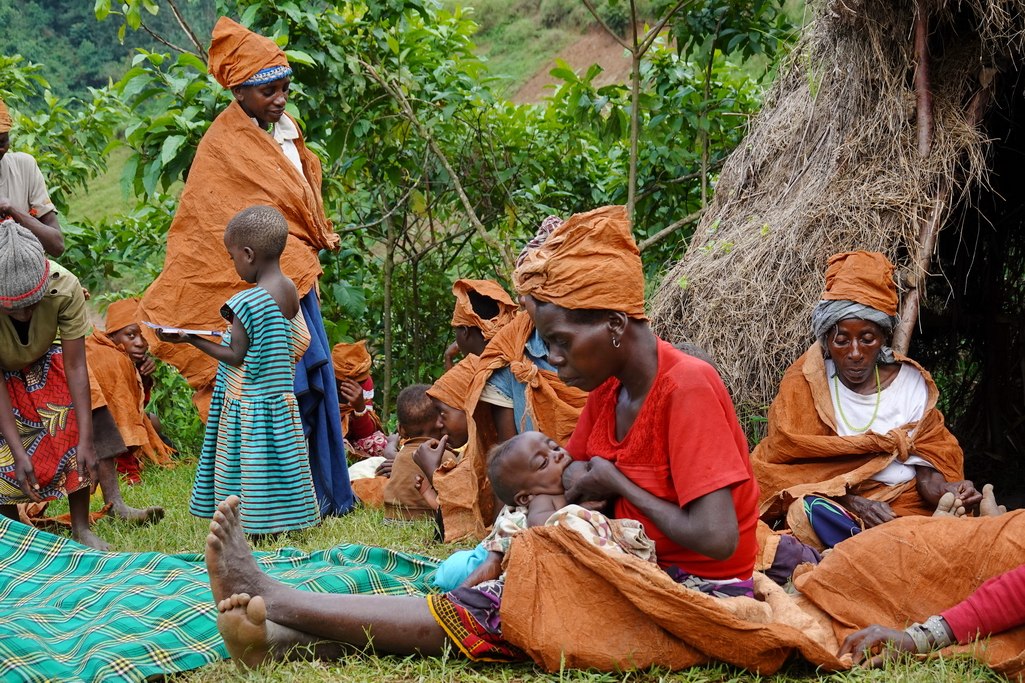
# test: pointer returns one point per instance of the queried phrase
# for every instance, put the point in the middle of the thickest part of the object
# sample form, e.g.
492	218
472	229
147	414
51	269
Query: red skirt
46	422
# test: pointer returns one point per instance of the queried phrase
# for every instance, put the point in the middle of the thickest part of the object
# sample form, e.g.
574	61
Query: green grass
103	197
180	532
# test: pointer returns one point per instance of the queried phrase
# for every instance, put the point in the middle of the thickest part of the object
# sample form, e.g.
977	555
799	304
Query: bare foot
988	507
229	559
252	639
150	515
87	537
949	506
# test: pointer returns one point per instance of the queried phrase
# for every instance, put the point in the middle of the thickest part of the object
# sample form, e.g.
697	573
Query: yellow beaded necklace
839	403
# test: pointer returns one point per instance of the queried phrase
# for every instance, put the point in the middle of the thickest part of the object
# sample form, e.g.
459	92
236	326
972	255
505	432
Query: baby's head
254	236
416	412
526	465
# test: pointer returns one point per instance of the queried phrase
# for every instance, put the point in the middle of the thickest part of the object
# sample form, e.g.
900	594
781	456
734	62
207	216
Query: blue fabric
317	393
831	522
268	75
502	379
458	567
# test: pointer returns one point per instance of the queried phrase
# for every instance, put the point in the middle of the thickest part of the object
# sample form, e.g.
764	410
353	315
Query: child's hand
177	337
147	367
428	456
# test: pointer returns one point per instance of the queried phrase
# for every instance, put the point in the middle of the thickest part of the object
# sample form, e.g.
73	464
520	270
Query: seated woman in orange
360	423
855	438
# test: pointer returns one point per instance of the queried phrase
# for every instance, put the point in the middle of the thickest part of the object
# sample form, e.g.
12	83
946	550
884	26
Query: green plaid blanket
70	613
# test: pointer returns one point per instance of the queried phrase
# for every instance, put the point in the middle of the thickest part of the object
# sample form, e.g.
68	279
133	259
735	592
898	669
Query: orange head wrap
453	387
864	277
351	361
237	54
5	118
464	315
121	314
589	262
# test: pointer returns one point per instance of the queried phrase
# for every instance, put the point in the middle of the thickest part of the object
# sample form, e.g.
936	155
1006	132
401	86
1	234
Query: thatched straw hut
894	126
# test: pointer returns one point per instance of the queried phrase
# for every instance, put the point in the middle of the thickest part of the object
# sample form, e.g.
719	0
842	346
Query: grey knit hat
24	268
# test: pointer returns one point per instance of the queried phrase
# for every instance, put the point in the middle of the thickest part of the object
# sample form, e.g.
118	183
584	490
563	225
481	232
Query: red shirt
686	442
996	606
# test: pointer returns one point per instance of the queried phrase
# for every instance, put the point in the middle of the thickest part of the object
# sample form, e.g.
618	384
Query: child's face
536	463
453	423
244	260
131	340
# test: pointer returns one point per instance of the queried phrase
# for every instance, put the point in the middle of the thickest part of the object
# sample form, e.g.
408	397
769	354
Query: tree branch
670	229
187	29
922	93
160	39
410	115
594	13
652	34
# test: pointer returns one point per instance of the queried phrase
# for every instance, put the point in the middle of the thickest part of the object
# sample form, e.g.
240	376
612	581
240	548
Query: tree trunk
389	267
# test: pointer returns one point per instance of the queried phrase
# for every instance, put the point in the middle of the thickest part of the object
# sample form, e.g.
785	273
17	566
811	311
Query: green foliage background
430	173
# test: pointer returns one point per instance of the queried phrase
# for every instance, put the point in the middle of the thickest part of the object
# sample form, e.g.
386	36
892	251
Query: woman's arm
233	353
932	486
706	525
78	384
22	462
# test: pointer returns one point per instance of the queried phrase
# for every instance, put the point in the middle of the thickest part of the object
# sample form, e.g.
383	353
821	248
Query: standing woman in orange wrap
253	153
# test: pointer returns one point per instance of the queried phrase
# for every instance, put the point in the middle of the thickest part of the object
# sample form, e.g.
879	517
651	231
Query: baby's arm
232	353
541	507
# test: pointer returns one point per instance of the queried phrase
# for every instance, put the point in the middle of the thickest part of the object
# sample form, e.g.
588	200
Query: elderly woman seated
855	438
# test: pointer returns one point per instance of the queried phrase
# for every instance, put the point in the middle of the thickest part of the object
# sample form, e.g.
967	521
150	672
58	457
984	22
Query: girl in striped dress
254	445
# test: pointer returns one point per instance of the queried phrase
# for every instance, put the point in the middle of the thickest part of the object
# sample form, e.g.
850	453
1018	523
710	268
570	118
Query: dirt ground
594	47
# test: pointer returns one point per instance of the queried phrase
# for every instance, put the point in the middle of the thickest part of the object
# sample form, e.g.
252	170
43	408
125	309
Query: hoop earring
615	342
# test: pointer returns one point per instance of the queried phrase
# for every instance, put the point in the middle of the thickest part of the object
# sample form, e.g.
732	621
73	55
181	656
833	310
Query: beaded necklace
839	403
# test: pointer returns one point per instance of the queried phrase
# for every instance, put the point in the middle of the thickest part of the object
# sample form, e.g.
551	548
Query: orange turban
237	54
453	387
5	118
351	361
464	315
589	262
864	277
121	314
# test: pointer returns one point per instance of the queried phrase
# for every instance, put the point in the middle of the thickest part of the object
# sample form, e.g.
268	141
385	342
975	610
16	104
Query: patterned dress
254	446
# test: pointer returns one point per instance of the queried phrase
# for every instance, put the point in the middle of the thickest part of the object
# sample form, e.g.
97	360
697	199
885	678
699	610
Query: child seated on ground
120	379
360	424
419	422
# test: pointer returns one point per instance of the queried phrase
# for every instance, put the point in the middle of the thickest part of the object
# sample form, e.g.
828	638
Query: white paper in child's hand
181	330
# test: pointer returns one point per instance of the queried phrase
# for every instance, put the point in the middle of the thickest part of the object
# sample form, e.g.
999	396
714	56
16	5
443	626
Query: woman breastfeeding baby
687	479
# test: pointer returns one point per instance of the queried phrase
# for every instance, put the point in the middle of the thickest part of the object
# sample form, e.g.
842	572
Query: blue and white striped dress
254	445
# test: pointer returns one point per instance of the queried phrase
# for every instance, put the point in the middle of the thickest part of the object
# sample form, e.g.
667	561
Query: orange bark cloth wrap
591	261
5	118
464	315
467	504
865	277
560	590
115	383
121	314
452	387
236	53
351	361
237	165
803	454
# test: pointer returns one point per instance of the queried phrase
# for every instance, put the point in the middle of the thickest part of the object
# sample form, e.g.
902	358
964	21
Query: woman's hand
490	568
26	477
428	456
874	646
932	486
600	481
86	457
871	512
451	353
352	393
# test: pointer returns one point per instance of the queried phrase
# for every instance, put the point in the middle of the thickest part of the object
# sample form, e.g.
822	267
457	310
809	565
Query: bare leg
390	624
78	501
988	507
252	639
112	495
949	506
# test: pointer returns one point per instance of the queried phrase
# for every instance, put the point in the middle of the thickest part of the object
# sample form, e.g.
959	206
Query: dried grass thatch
832	164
